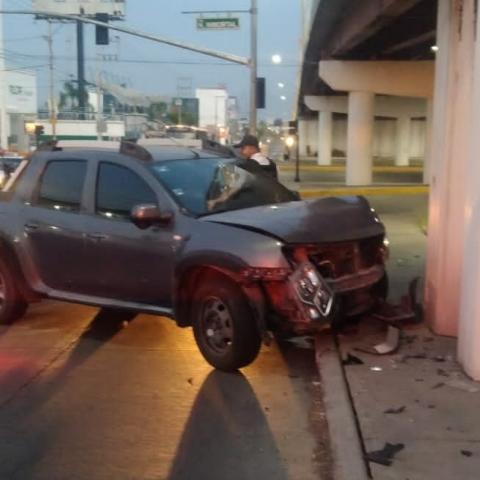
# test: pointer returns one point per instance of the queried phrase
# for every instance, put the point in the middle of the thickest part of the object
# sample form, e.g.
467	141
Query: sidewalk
417	400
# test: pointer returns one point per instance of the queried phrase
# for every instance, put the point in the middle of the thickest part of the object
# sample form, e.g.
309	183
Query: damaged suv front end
336	266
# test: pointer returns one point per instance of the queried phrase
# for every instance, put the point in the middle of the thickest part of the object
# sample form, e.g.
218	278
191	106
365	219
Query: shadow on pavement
227	435
103	327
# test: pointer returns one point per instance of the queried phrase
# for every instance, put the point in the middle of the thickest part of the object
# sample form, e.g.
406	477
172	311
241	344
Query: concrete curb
349	463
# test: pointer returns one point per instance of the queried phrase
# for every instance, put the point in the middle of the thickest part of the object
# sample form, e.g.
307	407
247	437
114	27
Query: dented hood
324	220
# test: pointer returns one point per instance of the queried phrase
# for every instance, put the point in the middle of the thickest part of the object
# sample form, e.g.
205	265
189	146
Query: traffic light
261	92
292	127
101	33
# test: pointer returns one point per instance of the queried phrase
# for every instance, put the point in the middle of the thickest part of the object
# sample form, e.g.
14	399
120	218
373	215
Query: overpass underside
368	64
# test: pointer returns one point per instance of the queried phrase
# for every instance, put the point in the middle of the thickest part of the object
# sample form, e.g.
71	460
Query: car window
61	185
205	186
119	189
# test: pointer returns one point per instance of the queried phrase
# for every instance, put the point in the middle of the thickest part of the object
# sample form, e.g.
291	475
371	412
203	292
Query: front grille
345	258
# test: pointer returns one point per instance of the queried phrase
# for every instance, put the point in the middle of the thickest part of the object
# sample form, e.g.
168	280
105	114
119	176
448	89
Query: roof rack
129	148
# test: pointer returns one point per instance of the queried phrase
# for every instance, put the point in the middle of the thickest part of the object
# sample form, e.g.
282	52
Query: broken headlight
312	290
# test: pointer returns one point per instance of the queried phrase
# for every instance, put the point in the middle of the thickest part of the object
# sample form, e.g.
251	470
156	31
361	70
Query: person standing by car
256	160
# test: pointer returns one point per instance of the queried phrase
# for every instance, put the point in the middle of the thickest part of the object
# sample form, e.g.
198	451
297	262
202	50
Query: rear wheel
224	326
12	305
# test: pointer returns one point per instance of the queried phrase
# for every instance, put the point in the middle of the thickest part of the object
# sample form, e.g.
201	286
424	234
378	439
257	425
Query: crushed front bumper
317	298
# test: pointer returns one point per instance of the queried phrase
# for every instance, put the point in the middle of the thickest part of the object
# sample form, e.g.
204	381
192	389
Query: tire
224	326
12	305
381	288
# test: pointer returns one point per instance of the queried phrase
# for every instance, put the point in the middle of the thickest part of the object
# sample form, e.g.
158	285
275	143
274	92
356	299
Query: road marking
341	169
399	190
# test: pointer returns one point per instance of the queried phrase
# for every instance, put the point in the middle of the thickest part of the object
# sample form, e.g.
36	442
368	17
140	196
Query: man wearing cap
256	160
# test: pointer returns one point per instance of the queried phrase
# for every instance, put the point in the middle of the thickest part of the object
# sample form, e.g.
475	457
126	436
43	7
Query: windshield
205	186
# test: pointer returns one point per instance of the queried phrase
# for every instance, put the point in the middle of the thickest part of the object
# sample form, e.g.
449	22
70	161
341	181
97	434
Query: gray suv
187	234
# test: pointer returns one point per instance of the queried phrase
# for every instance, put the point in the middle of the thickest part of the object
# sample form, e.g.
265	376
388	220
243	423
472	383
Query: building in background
214	112
20	97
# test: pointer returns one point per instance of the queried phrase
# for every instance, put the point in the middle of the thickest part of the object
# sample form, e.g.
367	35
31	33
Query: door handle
31	227
98	237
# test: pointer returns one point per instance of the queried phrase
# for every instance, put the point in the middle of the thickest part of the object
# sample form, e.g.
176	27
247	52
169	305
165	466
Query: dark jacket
260	162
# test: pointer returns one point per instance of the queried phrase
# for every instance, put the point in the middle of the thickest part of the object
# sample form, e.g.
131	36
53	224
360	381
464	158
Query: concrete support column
451	135
469	326
360	138
427	158
325	138
402	157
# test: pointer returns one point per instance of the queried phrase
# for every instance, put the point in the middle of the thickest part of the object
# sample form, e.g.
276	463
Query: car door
127	263
53	225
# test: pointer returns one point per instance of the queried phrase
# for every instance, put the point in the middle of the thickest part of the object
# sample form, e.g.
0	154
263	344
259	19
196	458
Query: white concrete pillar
325	138
450	147
469	326
360	138
402	156
302	137
427	157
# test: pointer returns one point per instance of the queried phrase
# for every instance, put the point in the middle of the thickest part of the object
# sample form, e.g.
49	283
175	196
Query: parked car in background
8	165
187	234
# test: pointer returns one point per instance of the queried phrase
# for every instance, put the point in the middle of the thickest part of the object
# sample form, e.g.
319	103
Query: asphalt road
84	396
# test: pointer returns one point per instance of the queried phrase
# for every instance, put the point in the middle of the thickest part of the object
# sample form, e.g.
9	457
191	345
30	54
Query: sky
163	70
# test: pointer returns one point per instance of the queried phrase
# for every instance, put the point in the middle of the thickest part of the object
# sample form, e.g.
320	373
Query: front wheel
12	305
224	326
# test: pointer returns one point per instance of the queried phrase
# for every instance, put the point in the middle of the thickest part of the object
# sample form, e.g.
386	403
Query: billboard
113	8
21	94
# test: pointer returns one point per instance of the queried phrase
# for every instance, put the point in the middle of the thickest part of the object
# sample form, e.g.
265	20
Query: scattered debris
442	372
419	380
390	344
428	339
439	358
352	360
386	455
431	406
416	356
315	383
409	339
395	411
190	381
438	385
376	369
462	385
466	453
292	375
267	409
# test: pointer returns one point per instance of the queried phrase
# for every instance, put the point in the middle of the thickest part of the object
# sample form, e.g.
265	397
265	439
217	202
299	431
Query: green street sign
217	23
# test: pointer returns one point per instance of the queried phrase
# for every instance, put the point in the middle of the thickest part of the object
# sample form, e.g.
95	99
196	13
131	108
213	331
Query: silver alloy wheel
216	323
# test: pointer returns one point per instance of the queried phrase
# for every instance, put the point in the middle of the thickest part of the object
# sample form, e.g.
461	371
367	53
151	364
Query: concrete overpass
376	57
370	58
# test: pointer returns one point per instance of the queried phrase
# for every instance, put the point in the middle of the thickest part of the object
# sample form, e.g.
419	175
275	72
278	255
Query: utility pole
99	94
253	67
81	70
53	106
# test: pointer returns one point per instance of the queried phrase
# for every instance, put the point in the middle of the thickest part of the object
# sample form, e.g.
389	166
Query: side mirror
148	215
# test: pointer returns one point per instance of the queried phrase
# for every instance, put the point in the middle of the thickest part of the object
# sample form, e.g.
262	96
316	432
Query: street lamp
276	59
